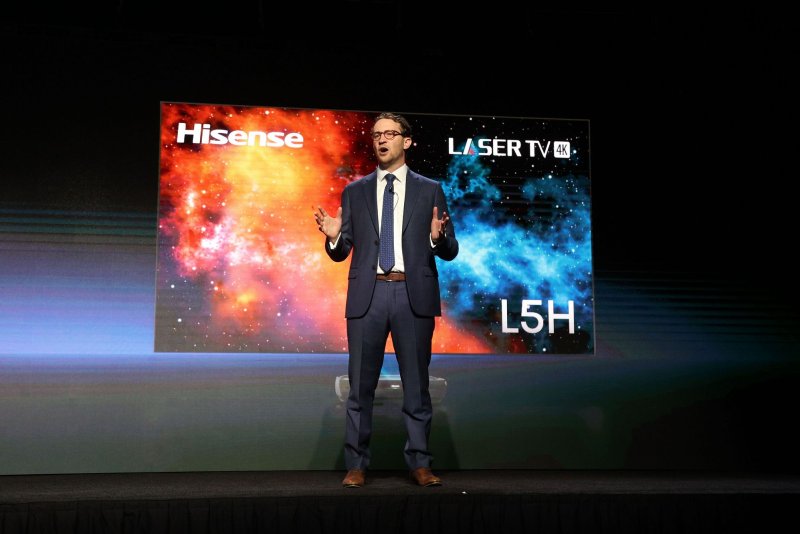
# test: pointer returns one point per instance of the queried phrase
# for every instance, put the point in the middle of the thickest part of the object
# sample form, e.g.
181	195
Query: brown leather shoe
355	478
424	477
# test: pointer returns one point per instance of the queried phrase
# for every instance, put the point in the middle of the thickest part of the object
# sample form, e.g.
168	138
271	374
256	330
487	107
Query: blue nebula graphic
520	238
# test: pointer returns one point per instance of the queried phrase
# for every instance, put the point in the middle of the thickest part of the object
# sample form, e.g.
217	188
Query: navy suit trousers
389	311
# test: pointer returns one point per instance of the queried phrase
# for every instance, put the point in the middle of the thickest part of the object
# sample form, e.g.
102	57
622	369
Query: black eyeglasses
388	134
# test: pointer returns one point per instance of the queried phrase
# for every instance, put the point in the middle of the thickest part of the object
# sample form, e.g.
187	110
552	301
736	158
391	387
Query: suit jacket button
377	242
373	267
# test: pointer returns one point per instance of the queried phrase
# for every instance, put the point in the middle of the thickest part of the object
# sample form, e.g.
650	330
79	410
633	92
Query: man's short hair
398	119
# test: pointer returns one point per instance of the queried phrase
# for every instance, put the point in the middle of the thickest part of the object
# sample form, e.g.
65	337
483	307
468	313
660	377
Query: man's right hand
330	226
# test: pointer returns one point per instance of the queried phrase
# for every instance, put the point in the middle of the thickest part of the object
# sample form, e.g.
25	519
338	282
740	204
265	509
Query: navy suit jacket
360	233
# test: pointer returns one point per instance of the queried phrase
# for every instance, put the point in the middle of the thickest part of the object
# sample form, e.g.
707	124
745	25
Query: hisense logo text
203	134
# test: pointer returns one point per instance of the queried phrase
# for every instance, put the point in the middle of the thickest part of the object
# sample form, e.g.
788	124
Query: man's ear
406	142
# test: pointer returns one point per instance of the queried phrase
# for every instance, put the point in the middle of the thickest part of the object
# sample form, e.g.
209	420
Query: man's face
391	153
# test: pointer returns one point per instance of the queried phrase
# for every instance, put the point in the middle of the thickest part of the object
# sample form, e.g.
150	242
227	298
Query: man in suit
395	221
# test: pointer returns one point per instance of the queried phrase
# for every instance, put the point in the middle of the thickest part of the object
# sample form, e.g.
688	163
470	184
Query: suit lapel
370	191
413	188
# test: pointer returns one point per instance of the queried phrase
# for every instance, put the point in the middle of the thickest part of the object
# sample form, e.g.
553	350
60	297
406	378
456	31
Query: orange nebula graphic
236	217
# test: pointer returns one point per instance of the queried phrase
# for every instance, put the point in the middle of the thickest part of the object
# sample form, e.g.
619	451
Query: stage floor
238	485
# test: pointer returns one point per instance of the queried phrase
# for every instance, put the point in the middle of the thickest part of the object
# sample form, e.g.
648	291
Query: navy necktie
387	226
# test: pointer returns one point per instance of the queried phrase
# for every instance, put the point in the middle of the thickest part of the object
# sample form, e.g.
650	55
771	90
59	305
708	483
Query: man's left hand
438	225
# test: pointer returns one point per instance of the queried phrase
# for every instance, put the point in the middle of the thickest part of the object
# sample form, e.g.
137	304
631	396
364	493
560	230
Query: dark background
692	139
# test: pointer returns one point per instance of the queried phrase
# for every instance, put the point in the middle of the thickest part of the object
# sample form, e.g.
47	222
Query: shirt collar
399	174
